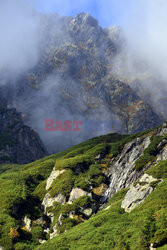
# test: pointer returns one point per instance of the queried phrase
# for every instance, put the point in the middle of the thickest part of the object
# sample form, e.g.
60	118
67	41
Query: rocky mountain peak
75	68
85	19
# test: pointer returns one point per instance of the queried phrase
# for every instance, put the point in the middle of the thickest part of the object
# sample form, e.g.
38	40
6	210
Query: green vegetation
72	163
159	170
114	229
77	206
17	184
23	187
63	184
149	154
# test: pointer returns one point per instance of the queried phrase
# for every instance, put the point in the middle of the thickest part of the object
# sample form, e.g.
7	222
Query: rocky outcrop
163	129
118	171
54	174
138	193
77	193
48	201
18	142
122	172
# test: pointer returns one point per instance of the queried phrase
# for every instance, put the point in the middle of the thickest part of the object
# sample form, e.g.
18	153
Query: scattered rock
42	241
138	193
27	223
88	212
46	230
48	201
71	214
163	129
55	232
152	246
60	219
77	193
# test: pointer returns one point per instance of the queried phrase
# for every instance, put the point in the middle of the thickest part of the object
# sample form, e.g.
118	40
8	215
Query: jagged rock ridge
73	79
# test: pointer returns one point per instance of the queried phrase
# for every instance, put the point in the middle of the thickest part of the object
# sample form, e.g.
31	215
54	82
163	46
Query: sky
107	12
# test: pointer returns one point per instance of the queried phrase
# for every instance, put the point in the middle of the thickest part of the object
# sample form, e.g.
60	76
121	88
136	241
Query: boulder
77	193
27	223
48	201
88	212
138	193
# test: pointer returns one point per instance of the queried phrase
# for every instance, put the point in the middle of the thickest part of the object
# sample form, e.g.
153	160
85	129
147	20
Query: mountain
18	142
74	80
106	193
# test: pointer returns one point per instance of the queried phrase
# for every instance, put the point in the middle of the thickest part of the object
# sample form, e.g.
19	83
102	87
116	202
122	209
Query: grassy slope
24	185
115	229
16	184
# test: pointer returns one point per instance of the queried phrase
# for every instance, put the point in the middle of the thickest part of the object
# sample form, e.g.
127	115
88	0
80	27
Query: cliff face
74	80
18	143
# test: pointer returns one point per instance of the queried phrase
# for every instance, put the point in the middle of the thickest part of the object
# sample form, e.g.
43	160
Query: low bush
149	154
62	184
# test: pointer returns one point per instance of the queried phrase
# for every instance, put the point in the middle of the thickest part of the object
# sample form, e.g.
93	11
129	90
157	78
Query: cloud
144	27
143	59
146	33
19	36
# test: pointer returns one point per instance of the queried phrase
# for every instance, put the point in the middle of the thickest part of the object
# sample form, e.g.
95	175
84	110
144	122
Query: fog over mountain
69	68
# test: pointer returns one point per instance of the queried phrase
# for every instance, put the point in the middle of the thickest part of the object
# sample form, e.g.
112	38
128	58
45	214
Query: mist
141	61
19	26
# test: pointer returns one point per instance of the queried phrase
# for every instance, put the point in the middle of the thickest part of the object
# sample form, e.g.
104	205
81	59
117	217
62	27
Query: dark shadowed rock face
18	143
74	78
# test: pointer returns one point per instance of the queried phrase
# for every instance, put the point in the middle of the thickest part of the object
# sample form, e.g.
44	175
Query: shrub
72	163
149	153
66	225
102	149
37	232
160	237
62	184
82	182
14	234
40	190
94	170
159	170
154	184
